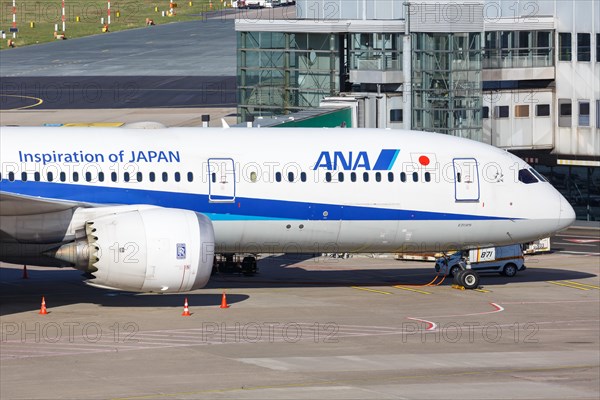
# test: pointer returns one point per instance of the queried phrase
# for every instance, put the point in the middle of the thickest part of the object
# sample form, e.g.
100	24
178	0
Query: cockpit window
538	175
527	177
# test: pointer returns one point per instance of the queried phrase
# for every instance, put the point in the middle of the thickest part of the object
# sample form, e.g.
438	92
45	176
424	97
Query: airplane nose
566	215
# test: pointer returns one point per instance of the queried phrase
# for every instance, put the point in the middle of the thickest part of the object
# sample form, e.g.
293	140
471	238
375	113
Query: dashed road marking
370	290
412	290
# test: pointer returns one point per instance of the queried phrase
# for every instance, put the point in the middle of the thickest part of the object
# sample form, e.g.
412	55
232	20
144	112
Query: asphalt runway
578	240
200	48
114	92
307	328
187	64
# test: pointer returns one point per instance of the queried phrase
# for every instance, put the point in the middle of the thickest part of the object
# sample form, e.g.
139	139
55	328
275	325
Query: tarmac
306	328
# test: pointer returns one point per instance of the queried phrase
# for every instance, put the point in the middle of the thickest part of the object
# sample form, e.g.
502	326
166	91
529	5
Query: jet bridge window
527	177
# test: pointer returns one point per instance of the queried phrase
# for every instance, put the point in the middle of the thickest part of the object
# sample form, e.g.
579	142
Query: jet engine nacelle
145	250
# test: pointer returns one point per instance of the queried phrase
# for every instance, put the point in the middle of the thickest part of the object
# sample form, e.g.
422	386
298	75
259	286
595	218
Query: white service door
221	180
466	179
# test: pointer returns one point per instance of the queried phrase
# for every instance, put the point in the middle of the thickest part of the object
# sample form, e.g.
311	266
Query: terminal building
520	75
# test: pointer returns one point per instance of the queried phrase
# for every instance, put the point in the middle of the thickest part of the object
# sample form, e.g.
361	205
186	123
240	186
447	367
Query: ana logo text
351	160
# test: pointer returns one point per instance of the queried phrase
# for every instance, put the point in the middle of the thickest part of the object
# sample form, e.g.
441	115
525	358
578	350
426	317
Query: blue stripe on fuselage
386	159
242	209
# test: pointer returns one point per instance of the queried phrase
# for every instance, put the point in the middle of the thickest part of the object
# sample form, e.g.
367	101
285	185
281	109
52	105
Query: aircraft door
221	180
466	179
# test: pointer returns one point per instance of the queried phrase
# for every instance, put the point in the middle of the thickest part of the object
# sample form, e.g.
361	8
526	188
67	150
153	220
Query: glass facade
279	73
518	49
376	51
447	95
579	185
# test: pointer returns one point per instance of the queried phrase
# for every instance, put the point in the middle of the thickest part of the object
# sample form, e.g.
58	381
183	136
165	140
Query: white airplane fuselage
281	190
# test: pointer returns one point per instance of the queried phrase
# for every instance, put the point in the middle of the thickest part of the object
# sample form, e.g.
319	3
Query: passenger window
36	176
458	177
113	176
365	177
11	176
177	177
527	177
340	177
138	176
165	177
291	176
75	176
63	177
24	176
278	176
353	176
101	176
303	176
126	176
49	176
152	177
415	176
190	177
390	177
88	176
403	176
328	177
378	176
427	177
213	177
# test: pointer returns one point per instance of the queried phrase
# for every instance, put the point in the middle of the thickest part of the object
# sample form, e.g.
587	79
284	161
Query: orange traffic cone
43	310
224	301
25	275
186	310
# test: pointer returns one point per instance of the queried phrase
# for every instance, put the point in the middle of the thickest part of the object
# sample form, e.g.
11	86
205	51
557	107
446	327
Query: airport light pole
14	19
108	13
63	16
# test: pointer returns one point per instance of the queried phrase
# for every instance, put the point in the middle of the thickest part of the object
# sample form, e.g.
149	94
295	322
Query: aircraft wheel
457	279
470	279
